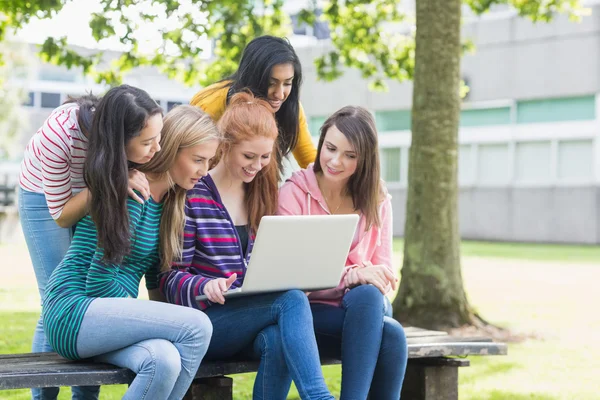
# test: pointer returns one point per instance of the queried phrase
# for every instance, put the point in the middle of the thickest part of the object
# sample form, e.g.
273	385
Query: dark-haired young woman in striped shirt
53	197
90	308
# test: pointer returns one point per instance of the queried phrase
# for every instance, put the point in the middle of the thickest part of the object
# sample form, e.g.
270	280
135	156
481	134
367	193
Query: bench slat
49	369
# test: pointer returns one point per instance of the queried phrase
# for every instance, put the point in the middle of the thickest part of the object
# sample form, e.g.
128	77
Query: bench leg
216	388
424	381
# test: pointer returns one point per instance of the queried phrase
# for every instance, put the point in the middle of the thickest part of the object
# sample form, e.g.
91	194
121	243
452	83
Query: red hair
245	118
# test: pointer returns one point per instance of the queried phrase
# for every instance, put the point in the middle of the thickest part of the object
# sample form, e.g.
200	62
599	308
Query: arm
378	270
74	209
181	286
55	159
305	151
182	283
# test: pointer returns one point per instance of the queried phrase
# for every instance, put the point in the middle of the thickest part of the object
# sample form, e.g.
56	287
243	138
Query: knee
394	338
268	341
295	297
200	329
365	295
162	359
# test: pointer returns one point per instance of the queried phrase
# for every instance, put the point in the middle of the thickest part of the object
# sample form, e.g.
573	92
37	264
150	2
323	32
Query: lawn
543	291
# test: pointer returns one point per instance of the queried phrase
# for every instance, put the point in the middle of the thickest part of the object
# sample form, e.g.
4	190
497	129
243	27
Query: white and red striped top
54	157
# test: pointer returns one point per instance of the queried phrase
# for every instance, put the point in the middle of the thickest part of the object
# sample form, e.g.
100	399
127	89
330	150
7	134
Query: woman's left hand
138	181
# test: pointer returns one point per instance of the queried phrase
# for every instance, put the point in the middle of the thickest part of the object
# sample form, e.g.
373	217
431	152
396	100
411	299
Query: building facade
529	156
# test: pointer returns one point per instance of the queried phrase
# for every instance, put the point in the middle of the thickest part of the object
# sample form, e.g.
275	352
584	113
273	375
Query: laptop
306	252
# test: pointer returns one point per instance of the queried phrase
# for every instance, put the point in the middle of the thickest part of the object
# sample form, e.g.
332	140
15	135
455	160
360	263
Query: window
553	110
393	120
576	160
390	164
171	104
485	116
533	163
57	74
315	125
493	164
50	100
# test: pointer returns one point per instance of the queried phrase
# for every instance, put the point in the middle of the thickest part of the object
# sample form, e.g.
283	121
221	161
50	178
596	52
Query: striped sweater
54	157
211	248
81	276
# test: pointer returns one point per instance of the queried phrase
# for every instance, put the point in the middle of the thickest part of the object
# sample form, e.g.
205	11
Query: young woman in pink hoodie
350	320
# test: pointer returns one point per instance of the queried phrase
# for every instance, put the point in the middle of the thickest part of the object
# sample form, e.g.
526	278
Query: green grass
525	251
16	333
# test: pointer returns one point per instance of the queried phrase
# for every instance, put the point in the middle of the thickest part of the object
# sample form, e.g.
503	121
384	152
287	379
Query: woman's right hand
138	181
377	275
215	288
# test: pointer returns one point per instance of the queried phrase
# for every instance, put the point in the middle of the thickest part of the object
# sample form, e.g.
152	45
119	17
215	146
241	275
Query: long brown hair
184	126
245	118
358	126
120	116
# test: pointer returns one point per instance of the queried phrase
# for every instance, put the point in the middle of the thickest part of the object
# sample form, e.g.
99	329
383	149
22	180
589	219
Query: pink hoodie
300	195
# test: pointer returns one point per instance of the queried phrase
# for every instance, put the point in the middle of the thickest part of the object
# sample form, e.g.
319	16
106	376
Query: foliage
373	36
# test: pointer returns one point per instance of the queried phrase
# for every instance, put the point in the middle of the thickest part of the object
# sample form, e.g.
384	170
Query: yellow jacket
213	101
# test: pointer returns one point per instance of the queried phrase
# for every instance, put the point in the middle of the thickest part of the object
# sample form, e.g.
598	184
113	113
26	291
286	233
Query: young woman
350	319
89	309
222	215
53	197
270	68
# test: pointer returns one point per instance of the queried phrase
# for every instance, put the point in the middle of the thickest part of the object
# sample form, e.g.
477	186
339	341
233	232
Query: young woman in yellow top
271	69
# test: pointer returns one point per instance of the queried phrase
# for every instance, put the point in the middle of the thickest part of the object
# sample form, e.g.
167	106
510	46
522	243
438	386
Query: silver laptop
306	252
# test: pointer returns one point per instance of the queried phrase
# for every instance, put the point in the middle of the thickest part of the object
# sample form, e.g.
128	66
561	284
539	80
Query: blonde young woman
90	310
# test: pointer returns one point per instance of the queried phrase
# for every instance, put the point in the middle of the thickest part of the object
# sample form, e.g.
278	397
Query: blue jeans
162	343
372	346
47	244
277	329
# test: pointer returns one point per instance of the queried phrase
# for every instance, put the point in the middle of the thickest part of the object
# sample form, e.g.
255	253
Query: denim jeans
162	343
277	328
372	346
47	244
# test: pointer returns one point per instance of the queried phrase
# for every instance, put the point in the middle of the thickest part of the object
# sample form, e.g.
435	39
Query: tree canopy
373	36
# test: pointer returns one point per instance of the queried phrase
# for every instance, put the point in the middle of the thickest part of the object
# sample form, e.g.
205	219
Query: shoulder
383	196
62	121
202	198
212	99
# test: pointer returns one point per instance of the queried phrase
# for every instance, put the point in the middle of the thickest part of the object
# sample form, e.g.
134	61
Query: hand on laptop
377	275
215	288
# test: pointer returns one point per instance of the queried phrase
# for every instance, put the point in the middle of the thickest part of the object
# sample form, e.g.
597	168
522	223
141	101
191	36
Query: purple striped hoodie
211	248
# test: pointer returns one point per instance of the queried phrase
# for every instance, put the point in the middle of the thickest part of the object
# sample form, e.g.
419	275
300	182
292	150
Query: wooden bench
432	372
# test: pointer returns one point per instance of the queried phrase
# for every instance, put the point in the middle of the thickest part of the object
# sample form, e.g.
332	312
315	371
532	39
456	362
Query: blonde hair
184	126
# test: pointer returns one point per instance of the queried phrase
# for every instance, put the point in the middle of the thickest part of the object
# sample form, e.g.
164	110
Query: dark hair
358	126
247	118
254	73
87	105
121	115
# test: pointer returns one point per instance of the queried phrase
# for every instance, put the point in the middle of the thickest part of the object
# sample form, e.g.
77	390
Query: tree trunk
431	291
